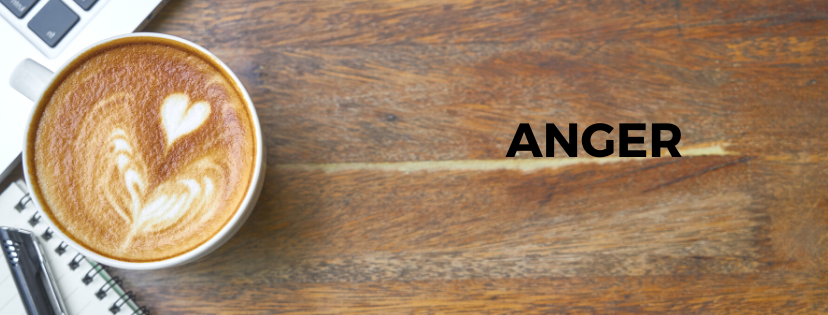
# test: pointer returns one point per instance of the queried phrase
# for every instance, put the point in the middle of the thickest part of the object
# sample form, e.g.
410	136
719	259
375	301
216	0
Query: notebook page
68	267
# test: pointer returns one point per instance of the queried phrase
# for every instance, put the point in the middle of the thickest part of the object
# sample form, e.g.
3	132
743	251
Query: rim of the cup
213	242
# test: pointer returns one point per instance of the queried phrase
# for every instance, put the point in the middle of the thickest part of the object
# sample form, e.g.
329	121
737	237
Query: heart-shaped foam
179	118
151	209
147	205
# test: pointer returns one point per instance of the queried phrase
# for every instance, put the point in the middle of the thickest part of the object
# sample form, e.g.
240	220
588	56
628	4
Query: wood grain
744	230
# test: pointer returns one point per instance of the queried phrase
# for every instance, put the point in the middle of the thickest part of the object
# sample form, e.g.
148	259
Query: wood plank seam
525	165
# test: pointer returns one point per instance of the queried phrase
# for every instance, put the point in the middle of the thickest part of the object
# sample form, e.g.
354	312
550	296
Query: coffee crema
144	151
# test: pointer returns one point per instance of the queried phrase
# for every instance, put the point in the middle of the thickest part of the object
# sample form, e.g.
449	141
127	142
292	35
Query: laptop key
53	22
19	7
86	4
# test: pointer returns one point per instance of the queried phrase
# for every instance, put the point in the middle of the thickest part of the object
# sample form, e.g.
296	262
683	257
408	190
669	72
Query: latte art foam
143	152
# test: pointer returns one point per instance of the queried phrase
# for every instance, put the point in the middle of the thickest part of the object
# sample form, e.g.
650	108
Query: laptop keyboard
50	25
53	22
19	7
86	4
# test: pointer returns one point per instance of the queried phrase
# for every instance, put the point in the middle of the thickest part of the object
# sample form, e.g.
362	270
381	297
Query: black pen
31	272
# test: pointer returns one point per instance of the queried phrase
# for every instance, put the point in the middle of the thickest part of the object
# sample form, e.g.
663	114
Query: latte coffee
143	149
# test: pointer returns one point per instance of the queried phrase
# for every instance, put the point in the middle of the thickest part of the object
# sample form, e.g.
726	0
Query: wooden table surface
388	190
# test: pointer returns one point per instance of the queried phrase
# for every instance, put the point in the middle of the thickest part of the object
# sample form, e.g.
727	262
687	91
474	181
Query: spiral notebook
84	285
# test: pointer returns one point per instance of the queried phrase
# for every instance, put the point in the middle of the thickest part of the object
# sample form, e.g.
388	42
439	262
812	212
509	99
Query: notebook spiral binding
90	275
101	294
23	202
116	307
97	269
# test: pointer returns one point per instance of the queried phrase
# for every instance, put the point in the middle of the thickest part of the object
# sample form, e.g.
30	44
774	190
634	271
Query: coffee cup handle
30	78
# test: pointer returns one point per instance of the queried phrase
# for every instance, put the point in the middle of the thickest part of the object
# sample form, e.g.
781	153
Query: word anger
570	146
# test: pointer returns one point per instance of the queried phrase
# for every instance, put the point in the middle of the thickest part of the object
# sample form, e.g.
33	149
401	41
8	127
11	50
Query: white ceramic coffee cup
32	79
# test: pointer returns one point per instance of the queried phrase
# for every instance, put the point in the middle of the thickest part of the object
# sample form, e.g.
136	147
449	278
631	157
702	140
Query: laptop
50	32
